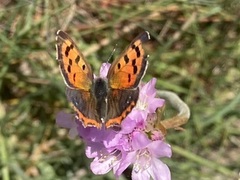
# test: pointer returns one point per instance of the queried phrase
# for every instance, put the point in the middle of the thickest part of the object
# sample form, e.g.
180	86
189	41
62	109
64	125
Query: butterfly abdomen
100	91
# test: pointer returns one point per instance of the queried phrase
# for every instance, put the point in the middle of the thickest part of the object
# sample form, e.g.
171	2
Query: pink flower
137	143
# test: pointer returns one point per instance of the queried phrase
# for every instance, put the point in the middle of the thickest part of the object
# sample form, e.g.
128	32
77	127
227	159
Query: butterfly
102	101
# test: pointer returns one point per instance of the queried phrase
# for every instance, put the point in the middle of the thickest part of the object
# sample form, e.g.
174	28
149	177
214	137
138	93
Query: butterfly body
102	100
100	91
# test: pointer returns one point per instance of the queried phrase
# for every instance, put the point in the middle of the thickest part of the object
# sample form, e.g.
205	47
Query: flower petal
139	140
104	70
155	103
65	120
141	175
159	170
73	132
126	161
94	134
160	149
93	149
113	140
149	88
101	168
128	125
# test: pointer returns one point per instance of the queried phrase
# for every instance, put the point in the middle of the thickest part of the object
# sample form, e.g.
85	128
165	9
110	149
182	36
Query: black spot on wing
70	62
67	51
138	51
126	59
134	62
74	77
133	46
69	68
77	59
135	69
119	65
129	77
68	48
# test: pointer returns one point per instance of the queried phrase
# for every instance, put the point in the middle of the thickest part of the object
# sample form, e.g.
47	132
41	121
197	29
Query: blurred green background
194	52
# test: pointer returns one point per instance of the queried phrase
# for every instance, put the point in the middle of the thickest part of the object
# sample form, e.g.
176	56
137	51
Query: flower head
138	143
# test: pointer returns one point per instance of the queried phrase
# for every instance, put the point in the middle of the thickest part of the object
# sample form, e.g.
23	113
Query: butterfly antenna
114	49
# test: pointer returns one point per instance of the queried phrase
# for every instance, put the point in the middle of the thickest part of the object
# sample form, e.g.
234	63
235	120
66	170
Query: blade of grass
4	157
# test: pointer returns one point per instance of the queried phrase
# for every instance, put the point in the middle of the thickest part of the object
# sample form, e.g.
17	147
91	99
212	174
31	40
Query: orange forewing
76	72
127	71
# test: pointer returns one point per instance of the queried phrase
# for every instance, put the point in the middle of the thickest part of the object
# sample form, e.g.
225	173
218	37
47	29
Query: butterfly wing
127	70
85	106
78	77
120	104
124	76
76	72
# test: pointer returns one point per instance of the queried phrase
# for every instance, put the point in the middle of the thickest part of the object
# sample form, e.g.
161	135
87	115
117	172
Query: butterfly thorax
100	92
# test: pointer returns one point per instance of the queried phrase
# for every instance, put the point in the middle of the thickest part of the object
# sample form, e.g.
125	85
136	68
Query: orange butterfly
102	101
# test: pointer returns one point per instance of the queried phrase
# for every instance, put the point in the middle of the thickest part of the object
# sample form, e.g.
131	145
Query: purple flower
147	100
138	144
67	121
